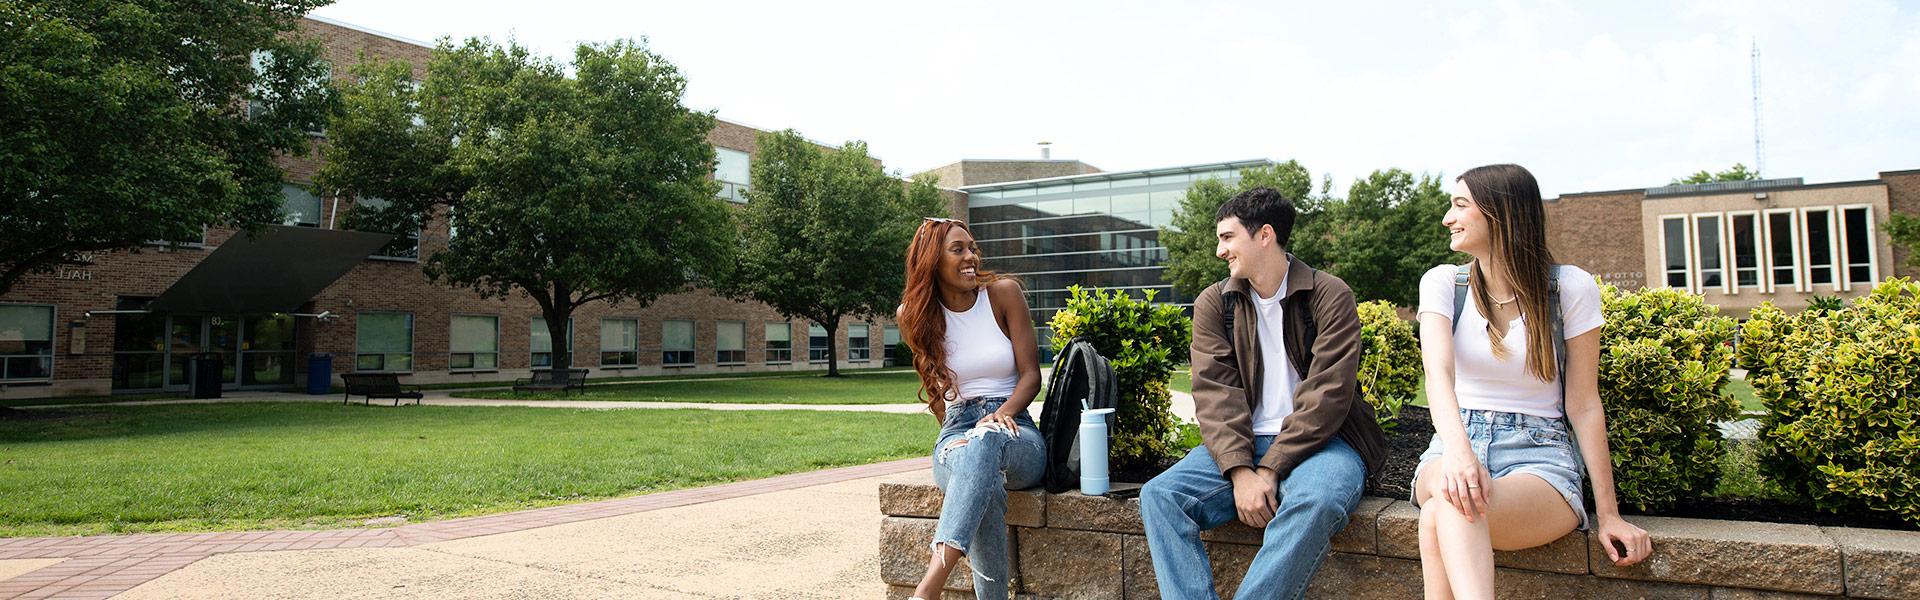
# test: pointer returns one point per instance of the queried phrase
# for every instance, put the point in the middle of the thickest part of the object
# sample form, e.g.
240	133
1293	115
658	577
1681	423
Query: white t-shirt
1277	377
1482	382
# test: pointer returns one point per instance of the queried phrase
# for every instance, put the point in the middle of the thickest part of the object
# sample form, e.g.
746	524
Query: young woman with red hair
973	346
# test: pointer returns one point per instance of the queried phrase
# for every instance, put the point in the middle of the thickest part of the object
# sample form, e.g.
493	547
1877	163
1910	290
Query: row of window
384	342
1802	249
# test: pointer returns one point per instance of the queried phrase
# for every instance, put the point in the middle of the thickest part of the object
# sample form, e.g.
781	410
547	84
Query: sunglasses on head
943	220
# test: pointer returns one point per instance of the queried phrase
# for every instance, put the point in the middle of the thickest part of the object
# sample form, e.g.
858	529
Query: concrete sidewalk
807	535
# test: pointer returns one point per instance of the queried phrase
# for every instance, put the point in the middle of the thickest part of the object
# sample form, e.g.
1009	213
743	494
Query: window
26	342
1709	252
733	169
403	247
889	335
858	348
730	343
298	206
1856	227
384	342
1820	247
474	342
1673	243
619	342
542	342
266	356
1783	249
1745	232
676	343
779	343
817	344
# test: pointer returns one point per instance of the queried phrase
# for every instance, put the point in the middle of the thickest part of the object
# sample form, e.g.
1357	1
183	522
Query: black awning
275	270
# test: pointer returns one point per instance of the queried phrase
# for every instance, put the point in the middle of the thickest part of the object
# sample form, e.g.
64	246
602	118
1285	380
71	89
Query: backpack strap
1460	276
1226	316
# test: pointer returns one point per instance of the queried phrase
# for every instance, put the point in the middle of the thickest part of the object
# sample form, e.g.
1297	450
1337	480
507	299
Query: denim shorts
1508	443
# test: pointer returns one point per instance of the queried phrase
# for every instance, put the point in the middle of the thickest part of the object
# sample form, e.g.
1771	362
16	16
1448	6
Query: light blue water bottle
1093	451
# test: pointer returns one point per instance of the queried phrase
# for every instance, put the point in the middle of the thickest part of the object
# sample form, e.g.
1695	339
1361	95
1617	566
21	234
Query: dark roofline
1901	172
1783	188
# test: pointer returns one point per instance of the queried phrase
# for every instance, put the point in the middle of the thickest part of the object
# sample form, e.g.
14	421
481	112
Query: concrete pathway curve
806	535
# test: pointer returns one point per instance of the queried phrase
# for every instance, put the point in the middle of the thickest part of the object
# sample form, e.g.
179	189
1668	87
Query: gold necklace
1499	303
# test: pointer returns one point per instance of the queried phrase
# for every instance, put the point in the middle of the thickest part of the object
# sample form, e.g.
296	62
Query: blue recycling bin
319	373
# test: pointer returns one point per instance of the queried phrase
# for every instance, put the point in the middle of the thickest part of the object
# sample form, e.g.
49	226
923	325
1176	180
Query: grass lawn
296	465
898	387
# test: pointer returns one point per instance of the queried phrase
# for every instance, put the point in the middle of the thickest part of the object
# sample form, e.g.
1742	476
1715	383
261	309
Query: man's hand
1253	495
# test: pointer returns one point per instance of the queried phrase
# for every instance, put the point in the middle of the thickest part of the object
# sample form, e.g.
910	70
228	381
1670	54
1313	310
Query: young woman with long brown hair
973	346
1504	469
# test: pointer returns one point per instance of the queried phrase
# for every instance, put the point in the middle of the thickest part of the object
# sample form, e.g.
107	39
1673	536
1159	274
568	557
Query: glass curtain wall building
1099	230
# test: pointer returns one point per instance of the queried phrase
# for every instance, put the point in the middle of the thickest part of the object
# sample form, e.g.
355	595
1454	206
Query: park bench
552	380
377	385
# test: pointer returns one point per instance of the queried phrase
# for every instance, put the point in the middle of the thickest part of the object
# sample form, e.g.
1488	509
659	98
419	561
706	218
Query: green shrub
1842	400
1140	340
1663	371
902	354
1390	367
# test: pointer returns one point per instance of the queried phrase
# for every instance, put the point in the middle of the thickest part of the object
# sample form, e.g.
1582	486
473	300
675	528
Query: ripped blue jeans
975	466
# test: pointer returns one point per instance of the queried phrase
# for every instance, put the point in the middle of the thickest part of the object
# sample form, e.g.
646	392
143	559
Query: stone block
1365	577
1880	563
1061	563
1721	593
914	495
1399	537
1520	583
1073	510
904	551
1763	556
1358	536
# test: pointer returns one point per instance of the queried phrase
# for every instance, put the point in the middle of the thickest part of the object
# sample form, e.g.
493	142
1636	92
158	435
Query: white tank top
978	354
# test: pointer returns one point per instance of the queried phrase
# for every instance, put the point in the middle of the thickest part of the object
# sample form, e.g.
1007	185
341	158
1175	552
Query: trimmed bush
902	354
1140	341
1390	367
1663	373
1842	400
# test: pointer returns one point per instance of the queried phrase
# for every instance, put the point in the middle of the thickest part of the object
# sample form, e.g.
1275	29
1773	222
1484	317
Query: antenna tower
1759	134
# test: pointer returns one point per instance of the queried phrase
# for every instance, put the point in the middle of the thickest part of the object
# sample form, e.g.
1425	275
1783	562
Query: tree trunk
557	319
833	345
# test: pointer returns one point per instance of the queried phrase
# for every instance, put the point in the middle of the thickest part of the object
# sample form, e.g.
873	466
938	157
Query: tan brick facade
1903	193
84	353
981	172
1591	231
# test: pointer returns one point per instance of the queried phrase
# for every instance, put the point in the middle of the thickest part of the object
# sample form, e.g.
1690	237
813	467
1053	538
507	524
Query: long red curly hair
922	325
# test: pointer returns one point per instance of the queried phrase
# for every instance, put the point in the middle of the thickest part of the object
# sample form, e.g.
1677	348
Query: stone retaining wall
1088	547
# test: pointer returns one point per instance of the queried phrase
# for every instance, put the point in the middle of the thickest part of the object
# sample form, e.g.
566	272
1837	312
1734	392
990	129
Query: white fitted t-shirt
1277	378
1482	382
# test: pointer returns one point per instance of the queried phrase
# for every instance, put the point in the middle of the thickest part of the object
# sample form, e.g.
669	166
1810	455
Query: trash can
203	375
319	373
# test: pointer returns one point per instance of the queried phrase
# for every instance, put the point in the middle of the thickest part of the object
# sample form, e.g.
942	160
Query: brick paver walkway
103	565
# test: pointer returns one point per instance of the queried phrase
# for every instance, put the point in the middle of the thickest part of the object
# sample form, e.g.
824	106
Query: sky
1589	96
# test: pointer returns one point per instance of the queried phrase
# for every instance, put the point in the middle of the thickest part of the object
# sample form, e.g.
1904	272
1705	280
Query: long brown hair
922	324
1517	226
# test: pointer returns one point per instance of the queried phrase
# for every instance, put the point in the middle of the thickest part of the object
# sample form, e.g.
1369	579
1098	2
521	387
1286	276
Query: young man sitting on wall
1288	443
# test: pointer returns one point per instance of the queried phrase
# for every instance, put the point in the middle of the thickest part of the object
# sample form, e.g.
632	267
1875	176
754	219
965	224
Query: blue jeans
976	476
1193	496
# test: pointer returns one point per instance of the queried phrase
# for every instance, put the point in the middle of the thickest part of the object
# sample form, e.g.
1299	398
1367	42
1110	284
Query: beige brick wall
1903	195
980	172
1595	232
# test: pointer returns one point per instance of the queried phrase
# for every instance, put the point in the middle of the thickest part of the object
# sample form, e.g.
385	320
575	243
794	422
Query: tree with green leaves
571	185
1905	231
123	122
1189	238
824	233
1738	172
1385	234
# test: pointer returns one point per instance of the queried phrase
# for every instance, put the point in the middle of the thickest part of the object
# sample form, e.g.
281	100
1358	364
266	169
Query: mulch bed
1415	430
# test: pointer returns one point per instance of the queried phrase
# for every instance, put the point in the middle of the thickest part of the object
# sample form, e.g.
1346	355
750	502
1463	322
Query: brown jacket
1226	380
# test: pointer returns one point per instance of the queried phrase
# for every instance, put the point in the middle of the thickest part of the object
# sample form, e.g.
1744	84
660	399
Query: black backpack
1079	373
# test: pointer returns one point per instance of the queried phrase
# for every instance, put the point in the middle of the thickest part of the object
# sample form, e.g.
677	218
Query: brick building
1740	243
94	329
